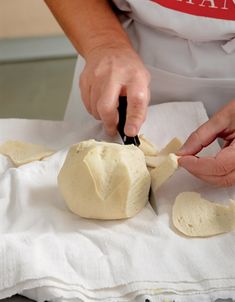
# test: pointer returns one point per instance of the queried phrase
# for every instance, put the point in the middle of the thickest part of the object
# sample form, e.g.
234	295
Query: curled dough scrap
22	153
197	217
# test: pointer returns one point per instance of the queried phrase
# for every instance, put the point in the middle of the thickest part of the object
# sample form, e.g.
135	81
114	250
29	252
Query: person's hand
112	72
220	169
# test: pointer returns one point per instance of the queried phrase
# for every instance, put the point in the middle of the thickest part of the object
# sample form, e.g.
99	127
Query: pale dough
104	180
197	217
164	170
154	161
172	147
111	181
22	153
148	148
164	164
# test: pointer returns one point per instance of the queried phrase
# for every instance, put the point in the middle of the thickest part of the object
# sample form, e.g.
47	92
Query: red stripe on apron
218	9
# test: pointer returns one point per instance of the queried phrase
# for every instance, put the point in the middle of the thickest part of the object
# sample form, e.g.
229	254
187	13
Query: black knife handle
127	140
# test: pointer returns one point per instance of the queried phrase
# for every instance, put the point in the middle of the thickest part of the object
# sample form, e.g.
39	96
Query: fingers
219	170
102	103
204	135
137	102
95	93
203	166
108	72
107	107
222	164
195	167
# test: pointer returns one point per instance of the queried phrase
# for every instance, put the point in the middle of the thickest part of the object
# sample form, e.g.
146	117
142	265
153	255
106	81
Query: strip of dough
148	148
166	168
197	217
22	153
172	147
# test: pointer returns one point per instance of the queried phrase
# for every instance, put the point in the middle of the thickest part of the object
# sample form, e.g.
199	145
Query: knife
127	140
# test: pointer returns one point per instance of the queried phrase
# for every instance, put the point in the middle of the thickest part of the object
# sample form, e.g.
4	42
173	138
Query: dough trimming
22	153
195	216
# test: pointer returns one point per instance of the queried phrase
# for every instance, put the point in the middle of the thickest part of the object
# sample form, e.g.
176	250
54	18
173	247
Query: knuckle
139	73
107	112
142	74
221	169
105	109
138	101
136	117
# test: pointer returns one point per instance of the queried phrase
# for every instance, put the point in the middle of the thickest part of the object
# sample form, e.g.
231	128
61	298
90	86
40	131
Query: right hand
110	72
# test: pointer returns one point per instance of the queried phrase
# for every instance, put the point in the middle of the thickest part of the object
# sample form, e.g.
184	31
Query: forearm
89	24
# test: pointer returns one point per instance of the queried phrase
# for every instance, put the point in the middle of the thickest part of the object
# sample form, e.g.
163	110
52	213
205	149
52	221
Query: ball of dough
104	180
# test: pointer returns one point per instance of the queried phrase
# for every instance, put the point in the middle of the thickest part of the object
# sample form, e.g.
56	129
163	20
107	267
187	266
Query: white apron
187	45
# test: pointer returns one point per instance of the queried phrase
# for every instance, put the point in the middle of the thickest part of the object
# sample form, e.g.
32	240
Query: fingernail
130	130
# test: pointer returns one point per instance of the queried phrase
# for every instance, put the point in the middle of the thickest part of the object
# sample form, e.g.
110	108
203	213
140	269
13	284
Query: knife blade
122	108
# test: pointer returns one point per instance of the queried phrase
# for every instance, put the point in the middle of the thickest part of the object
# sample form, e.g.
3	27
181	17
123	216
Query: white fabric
48	253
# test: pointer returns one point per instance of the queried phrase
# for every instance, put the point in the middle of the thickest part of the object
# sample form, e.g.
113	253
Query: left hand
219	169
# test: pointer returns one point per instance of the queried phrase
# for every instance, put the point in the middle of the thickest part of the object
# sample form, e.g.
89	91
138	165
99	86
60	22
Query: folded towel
49	253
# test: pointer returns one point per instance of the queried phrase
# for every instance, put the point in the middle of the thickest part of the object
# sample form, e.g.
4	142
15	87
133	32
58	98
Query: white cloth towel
48	253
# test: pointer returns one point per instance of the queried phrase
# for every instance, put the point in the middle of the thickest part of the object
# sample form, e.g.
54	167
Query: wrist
102	44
